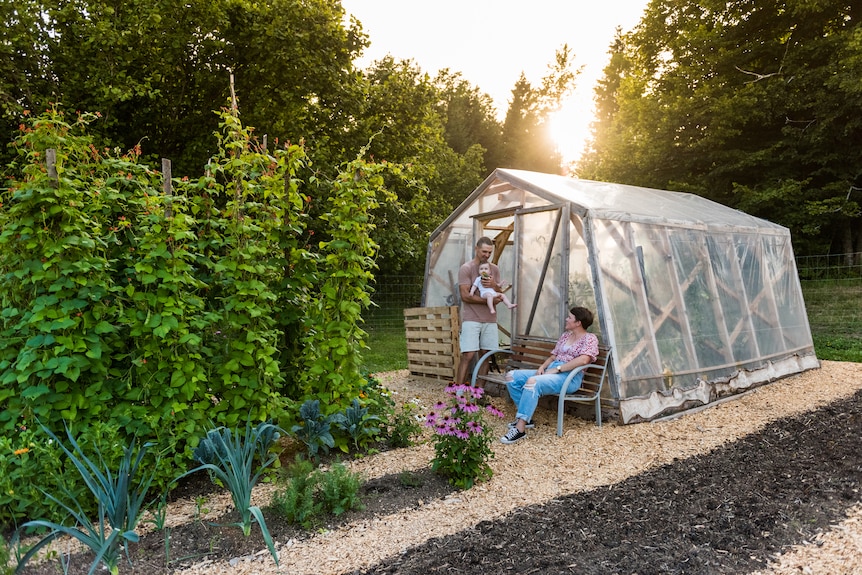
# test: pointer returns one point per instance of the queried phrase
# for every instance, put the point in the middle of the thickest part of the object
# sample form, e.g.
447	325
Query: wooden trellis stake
51	160
166	186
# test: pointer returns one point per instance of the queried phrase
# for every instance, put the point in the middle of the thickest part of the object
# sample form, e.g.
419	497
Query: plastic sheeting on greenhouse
697	300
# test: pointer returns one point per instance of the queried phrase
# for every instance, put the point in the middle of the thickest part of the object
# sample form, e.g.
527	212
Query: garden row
235	459
238	459
136	307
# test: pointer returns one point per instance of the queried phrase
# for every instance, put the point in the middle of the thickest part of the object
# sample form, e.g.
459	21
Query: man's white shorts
476	335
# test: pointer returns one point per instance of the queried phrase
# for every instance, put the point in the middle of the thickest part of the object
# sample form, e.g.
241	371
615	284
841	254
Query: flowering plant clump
462	441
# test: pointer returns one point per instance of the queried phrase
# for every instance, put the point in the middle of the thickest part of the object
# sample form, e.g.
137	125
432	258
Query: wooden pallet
433	349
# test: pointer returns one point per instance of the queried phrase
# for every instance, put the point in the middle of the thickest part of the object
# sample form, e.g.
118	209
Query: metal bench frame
529	353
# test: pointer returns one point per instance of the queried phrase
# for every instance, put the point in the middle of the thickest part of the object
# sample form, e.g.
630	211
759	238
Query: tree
23	68
608	128
468	119
403	125
747	104
156	68
527	141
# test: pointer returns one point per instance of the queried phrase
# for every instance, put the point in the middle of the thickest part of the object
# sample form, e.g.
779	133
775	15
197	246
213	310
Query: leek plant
230	457
120	496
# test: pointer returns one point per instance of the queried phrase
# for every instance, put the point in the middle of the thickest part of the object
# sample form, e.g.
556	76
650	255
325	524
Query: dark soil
727	511
197	541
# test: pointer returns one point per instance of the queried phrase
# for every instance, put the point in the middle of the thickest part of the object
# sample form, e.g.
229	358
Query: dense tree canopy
753	104
401	122
468	118
156	70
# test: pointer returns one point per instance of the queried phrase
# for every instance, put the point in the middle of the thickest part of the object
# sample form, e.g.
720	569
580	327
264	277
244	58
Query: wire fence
830	267
831	286
392	295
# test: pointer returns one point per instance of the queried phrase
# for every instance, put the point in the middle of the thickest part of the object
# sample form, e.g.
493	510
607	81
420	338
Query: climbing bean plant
165	314
335	332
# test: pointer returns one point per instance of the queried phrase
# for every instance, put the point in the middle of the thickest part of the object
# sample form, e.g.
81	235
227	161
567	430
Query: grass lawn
388	350
835	315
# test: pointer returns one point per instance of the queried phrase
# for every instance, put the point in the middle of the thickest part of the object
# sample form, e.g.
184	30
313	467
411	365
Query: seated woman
576	347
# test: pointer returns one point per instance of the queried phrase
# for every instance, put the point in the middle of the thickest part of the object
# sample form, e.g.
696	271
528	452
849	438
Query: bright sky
492	41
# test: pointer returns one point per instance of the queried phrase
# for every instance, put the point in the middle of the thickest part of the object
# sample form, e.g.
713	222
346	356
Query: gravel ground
768	483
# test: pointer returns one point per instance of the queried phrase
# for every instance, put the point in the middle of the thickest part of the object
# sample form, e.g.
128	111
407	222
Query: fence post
166	186
51	161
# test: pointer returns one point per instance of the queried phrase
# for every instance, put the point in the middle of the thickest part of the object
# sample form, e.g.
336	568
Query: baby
488	293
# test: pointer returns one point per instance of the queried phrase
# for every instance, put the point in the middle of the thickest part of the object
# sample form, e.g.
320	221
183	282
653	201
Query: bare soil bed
770	482
727	511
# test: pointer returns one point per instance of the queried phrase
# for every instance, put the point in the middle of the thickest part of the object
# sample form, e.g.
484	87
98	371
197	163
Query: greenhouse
698	301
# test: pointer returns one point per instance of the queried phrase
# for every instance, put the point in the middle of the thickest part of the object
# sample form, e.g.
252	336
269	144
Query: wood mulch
768	483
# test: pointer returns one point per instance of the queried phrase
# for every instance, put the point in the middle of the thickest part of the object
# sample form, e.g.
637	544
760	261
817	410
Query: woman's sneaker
530	424
513	435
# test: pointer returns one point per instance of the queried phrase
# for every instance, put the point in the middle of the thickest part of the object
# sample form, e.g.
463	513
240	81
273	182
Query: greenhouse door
500	227
542	264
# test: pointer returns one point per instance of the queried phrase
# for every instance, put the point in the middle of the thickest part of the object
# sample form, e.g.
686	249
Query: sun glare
570	128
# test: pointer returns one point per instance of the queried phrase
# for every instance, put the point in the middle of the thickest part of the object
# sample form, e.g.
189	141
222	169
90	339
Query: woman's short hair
583	315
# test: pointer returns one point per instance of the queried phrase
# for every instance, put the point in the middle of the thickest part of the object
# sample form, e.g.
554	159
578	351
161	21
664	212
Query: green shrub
362	427
339	490
404	426
310	493
363	422
297	501
355	427
376	397
31	462
316	429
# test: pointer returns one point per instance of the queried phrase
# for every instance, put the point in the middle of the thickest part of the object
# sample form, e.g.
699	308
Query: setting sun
570	128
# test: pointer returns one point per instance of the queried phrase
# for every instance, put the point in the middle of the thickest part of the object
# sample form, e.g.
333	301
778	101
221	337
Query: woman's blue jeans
526	397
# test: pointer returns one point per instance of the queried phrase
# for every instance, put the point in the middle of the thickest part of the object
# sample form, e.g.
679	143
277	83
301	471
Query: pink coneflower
474	427
447	429
494	411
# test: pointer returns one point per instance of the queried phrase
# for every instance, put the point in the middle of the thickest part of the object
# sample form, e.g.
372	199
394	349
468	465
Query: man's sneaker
513	435
530	424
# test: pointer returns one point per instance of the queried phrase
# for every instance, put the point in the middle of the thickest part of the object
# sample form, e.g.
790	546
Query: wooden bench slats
530	353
